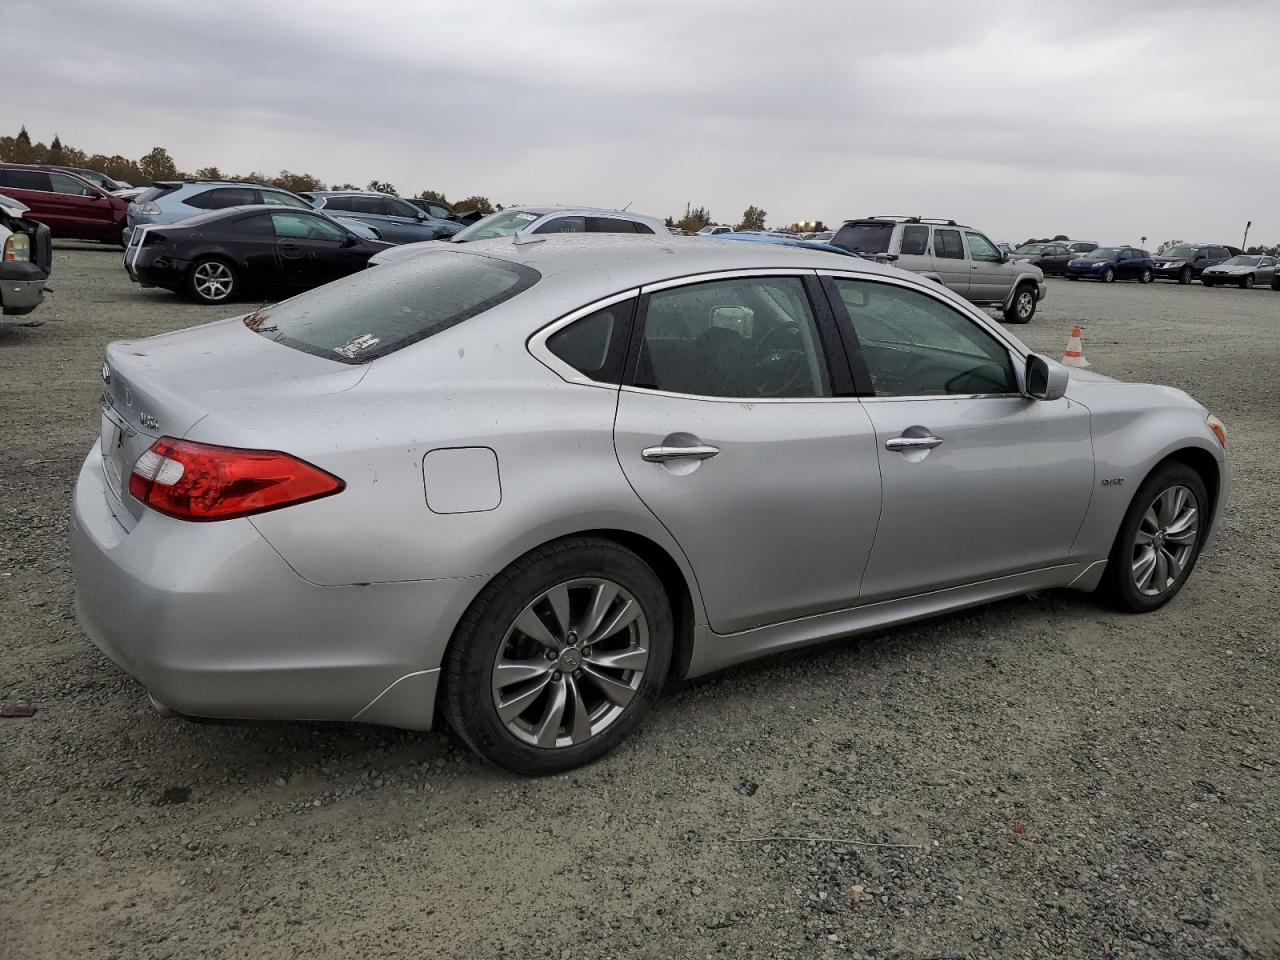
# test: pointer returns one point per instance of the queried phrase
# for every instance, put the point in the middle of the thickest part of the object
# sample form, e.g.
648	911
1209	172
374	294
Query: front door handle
663	454
913	443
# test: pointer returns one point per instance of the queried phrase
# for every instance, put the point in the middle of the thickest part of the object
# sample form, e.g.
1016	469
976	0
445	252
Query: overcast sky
1102	120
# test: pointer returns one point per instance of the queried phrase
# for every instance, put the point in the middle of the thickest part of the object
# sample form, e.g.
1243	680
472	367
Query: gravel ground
1038	778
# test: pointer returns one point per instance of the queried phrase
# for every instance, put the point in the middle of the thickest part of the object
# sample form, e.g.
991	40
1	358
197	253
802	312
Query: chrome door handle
913	443
663	454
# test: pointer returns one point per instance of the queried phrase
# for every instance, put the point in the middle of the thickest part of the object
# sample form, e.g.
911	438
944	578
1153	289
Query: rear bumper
213	622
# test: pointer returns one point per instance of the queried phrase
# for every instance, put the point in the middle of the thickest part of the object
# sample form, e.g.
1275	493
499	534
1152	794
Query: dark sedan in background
1109	264
1052	258
217	256
1185	262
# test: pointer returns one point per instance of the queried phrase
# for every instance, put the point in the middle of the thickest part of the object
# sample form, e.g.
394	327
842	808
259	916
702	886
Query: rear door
990	278
748	446
979	481
949	260
913	248
33	189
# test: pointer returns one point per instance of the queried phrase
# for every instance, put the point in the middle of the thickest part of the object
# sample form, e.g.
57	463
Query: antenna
624	209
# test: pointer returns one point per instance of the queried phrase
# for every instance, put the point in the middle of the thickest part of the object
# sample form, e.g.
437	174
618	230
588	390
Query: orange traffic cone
1074	356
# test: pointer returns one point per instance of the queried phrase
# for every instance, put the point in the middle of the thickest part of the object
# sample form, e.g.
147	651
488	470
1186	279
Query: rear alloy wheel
560	657
1147	275
1185	276
1159	540
212	281
1275	281
1023	306
1248	282
1108	275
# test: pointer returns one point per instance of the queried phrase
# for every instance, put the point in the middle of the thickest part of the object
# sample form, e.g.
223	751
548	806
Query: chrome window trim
740	400
537	342
697	278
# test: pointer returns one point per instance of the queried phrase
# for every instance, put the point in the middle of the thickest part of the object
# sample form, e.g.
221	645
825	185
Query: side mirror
1045	379
349	241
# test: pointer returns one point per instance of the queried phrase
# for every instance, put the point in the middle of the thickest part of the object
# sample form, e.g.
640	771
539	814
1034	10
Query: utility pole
1244	244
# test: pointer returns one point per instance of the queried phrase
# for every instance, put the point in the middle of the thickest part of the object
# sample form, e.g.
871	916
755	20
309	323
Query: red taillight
198	481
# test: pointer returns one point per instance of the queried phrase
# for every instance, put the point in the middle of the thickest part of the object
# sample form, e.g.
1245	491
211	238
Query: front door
84	211
313	250
731	434
990	278
979	481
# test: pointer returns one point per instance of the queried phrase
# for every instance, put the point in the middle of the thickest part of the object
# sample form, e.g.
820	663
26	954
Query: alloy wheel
1024	305
571	663
1248	281
213	280
1165	541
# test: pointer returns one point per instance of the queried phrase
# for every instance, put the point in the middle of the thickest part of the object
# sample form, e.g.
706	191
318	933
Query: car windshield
1030	248
1242	262
376	312
1180	253
1103	253
503	224
869	237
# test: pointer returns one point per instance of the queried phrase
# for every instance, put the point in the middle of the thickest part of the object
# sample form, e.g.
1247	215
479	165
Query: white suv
958	257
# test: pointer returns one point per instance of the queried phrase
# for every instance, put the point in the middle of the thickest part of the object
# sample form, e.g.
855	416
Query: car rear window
377	312
155	193
864	237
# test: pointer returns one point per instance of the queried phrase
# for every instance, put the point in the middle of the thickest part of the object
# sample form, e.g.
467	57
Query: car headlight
1219	430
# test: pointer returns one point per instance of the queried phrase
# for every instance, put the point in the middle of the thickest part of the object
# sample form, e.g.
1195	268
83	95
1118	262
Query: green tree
158	165
694	219
345	186
296	182
209	173
477	203
55	150
18	150
381	186
752	219
432	195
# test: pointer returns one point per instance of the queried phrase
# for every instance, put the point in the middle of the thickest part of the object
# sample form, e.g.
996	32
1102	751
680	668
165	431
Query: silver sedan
532	482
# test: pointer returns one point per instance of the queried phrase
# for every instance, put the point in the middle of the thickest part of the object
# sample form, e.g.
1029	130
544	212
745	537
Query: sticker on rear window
526	216
357	345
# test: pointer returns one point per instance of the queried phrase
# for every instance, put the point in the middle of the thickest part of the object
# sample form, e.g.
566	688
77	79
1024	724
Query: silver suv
959	257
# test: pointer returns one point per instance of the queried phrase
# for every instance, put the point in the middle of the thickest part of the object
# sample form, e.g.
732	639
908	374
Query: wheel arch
1205	464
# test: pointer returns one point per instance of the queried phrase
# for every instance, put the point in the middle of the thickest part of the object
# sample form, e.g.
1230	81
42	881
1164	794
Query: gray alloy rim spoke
615	691
633	658
548	728
213	280
510	709
1165	541
570	663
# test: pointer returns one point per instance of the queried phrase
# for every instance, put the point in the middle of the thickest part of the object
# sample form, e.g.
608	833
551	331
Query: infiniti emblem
570	659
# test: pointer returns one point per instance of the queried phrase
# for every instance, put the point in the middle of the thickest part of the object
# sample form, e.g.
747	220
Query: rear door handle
663	454
913	443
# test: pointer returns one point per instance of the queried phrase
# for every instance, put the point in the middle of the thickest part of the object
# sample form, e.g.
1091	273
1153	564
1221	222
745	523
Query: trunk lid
165	385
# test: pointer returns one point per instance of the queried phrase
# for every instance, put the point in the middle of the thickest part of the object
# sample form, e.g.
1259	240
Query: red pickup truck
70	207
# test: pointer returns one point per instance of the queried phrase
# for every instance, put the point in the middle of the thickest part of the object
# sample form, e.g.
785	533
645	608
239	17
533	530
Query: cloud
1095	119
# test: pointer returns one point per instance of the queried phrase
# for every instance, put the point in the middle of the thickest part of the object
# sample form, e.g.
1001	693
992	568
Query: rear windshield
154	193
864	237
388	307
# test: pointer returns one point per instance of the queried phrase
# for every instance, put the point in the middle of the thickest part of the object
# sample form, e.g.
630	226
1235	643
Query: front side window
564	225
377	312
276	199
947	244
70	186
439	212
1267	262
749	338
915	240
980	248
916	346
400	208
593	345
339	203
302	226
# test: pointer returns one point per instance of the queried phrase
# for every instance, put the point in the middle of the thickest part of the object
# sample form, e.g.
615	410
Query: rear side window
339	203
564	225
609	225
946	244
915	240
25	180
221	198
376	312
868	237
595	344
1222	252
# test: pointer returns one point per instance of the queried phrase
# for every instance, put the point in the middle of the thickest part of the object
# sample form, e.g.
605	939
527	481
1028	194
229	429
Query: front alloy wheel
1185	276
1023	307
1248	282
1108	275
1147	275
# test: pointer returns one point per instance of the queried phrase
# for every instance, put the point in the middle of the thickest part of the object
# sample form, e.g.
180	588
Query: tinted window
1267	262
946	244
564	225
1055	251
373	205
339	203
915	240
439	212
277	199
97	179
305	226
396	207
25	180
642	228
376	312
610	225
750	338
980	248
257	225
915	345
594	345
869	237
223	197
153	193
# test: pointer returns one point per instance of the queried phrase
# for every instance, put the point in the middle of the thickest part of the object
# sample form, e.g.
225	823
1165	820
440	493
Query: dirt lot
1080	783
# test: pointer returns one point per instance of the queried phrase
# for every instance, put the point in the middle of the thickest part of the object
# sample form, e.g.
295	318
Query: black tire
1072	277
1248	282
483	633
200	287
1186	276
1023	305
1147	276
1275	281
1108	275
1207	283
1119	584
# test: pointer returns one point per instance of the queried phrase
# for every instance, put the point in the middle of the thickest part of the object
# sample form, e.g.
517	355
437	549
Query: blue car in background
395	219
784	241
1109	264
